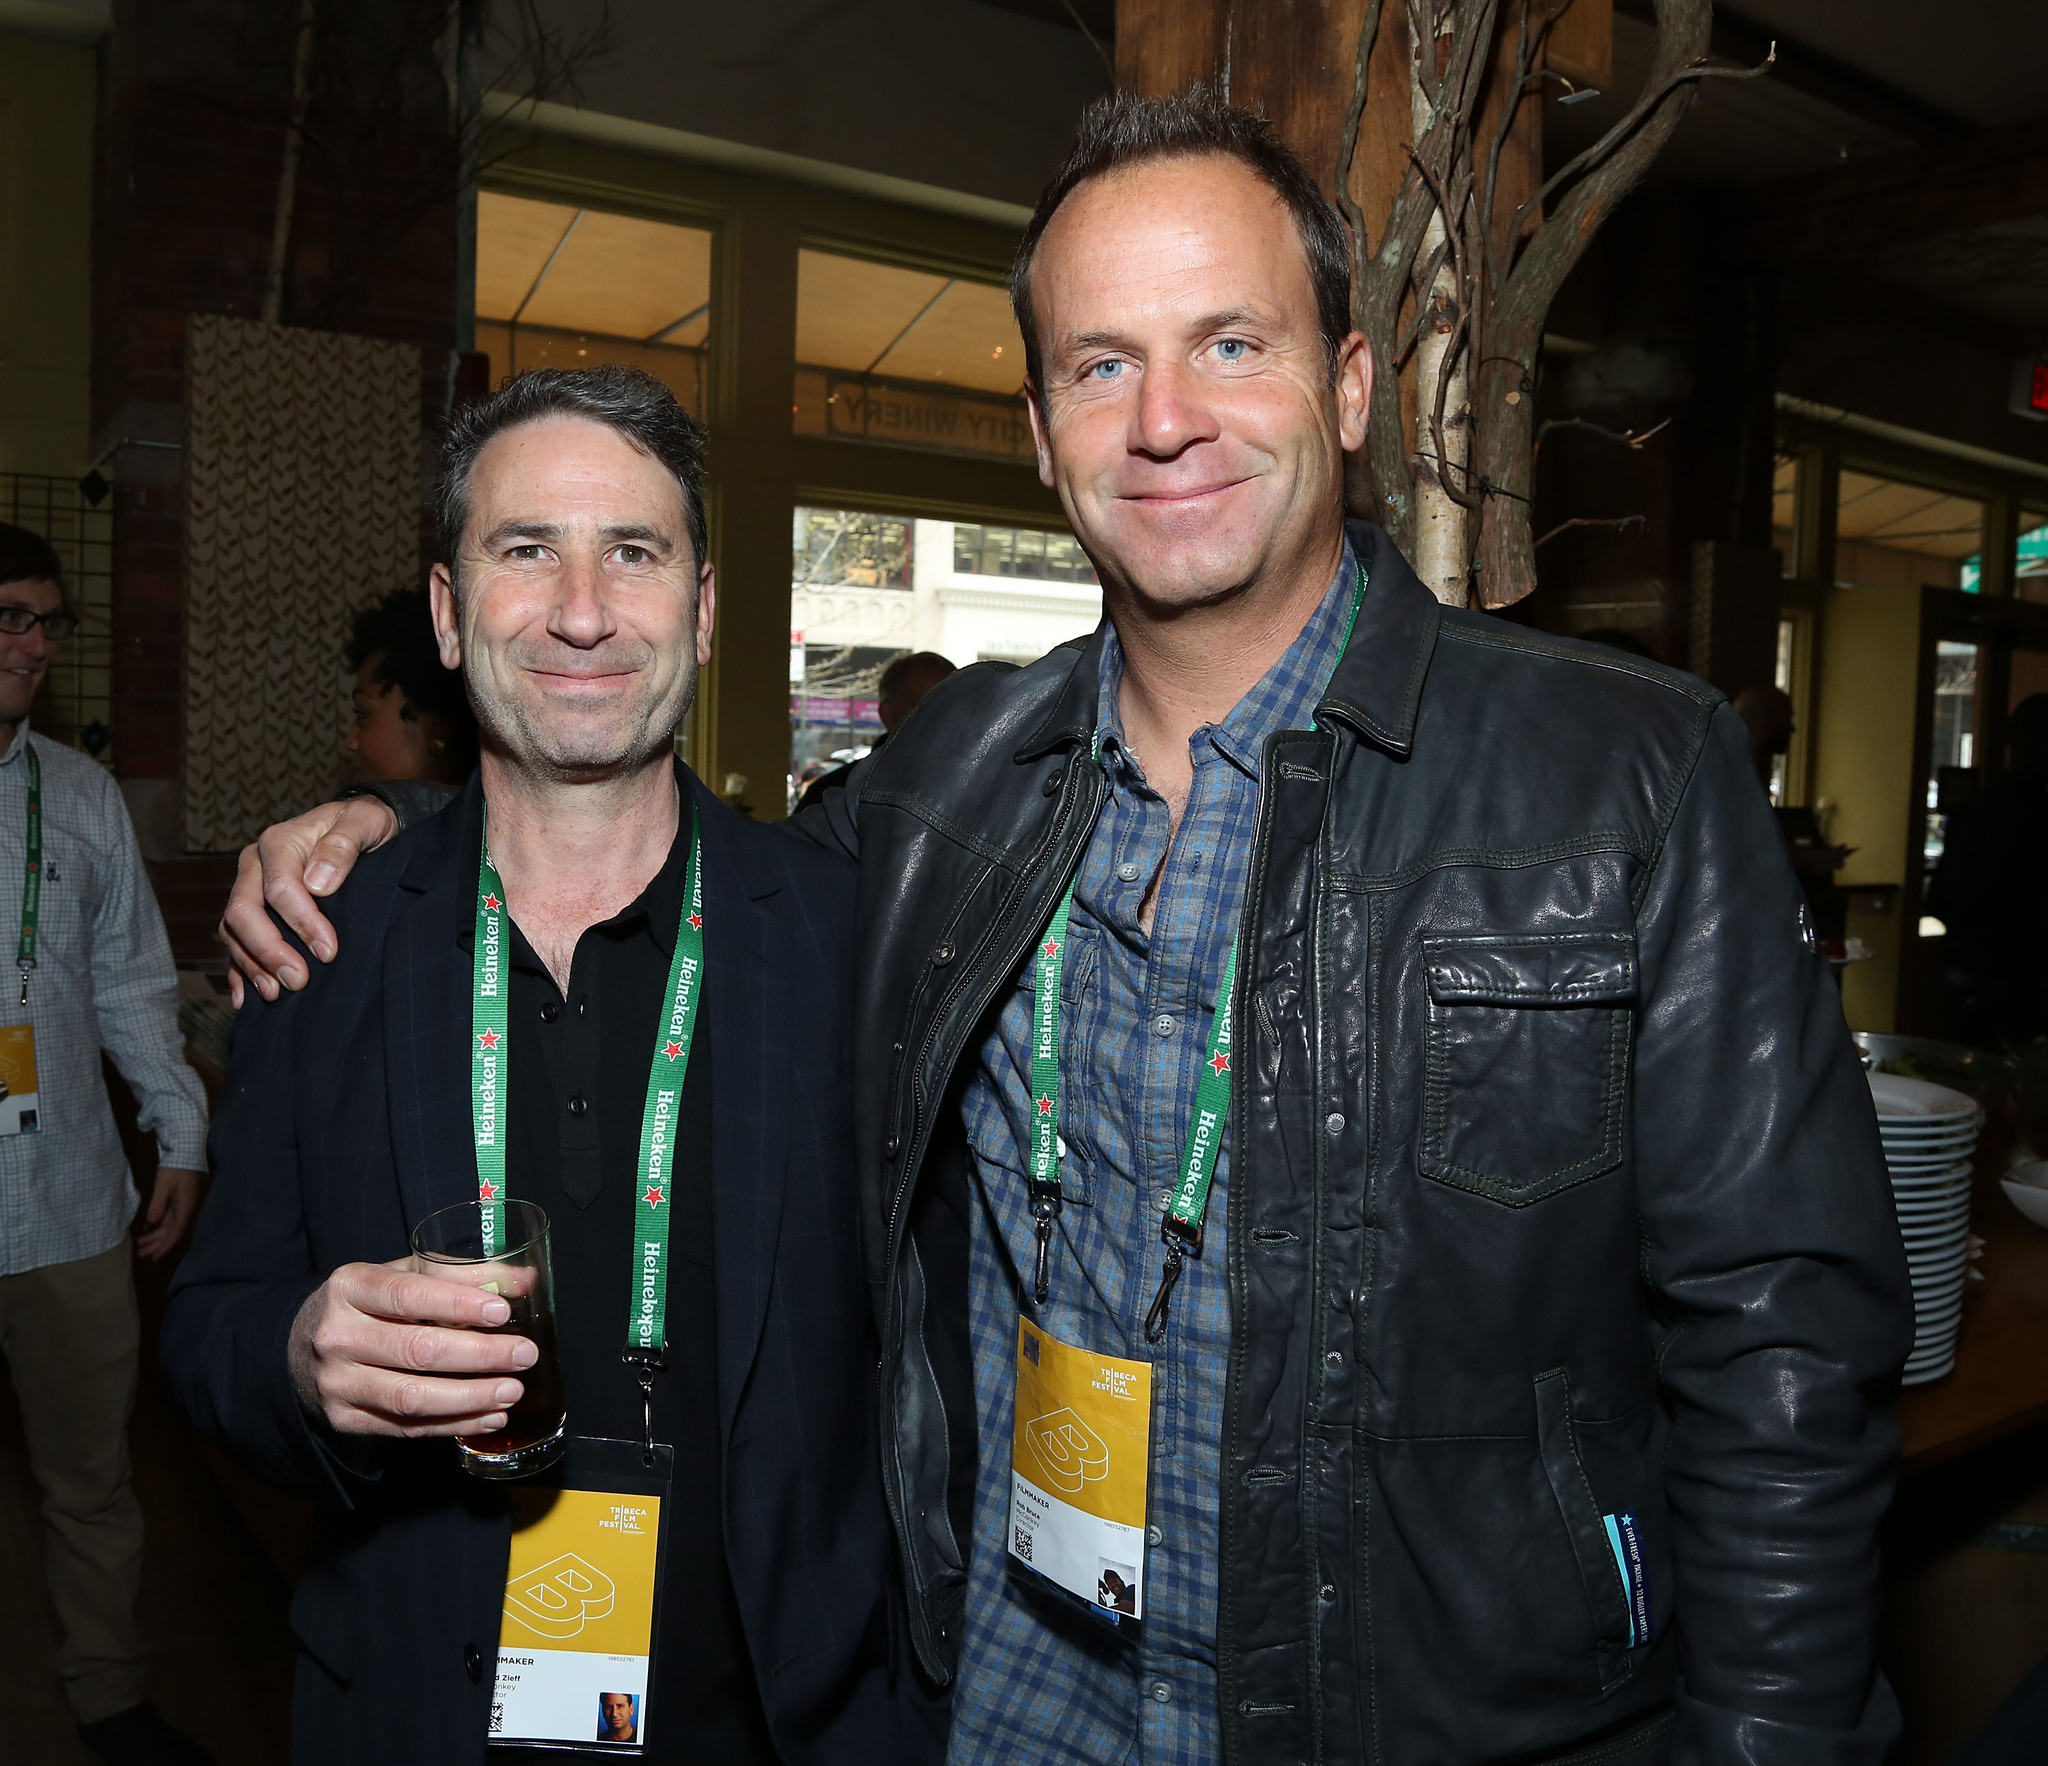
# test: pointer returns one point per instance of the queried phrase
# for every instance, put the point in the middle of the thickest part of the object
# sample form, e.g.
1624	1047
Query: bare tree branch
1094	43
1628	438
1653	95
1354	117
1625	523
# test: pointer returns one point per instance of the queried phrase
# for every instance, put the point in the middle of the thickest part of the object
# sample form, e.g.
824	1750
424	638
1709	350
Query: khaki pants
71	1336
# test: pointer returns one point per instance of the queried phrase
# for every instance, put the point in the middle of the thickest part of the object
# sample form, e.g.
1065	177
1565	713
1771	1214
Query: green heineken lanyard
1180	1229
647	1310
32	874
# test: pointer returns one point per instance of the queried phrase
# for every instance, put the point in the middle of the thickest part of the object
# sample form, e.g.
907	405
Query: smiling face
1188	416
617	1708
582	617
25	656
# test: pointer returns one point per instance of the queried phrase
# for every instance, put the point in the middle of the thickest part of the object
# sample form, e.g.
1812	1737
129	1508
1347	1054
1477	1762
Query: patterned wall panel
303	470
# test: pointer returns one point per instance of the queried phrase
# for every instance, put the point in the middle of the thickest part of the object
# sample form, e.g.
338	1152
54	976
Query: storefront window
1951	773
2030	564
1892	534
909	358
1785	512
565	287
868	588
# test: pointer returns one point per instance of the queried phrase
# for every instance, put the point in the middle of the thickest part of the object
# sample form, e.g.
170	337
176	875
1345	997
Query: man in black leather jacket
1555	1211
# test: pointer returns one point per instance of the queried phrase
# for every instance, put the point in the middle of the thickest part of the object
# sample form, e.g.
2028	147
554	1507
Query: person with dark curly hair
411	717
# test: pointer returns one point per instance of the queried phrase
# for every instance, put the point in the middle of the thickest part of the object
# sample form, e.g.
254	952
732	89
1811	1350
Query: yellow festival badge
1078	1465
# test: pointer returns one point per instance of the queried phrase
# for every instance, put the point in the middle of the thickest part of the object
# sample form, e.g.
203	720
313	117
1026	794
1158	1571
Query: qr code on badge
497	1718
1023	1544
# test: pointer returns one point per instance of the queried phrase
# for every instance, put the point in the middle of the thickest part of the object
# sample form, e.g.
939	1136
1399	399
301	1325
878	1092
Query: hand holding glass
451	1246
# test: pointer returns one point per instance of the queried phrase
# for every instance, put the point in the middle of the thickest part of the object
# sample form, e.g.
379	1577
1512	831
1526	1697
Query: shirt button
1165	1200
1335	1358
1164	1024
550	1012
1127	871
1162	1692
577	1105
1155	1535
1335	1122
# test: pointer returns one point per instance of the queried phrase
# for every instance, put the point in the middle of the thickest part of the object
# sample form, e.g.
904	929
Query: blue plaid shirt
1040	1681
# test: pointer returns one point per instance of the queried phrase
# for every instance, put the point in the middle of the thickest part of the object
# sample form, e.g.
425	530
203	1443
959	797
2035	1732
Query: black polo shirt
577	1088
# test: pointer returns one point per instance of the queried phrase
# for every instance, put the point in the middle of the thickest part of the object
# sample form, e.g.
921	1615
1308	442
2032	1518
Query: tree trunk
1459	245
1442	394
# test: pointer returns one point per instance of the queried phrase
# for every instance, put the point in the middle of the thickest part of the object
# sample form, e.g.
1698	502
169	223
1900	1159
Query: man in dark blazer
300	1337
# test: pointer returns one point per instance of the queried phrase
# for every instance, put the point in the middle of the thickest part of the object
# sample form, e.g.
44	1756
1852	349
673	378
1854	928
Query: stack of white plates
1930	1137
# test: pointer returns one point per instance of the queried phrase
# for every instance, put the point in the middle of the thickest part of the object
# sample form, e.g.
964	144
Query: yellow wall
46	117
1863	766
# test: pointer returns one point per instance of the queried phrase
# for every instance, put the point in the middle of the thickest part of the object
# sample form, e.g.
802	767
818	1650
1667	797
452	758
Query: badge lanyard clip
1045	1213
1180	1244
646	1363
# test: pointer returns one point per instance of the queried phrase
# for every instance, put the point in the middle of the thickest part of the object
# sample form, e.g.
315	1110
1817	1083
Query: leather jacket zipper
914	1152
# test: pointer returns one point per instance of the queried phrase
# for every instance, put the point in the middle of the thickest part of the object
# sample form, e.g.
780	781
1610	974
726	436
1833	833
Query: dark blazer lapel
746	993
426	1022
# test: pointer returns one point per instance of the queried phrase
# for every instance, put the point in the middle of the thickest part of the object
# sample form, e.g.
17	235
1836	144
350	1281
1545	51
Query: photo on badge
618	1717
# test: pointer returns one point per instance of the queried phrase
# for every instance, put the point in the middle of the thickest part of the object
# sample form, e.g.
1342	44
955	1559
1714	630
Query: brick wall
194	102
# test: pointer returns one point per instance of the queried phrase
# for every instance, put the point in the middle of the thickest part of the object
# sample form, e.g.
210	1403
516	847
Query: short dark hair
907	667
26	557
628	401
398	632
1119	131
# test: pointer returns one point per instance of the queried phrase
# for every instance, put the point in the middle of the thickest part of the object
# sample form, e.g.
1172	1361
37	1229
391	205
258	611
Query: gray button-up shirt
103	980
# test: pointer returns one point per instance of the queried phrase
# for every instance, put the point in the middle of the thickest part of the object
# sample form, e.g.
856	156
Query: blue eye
1108	370
1232	349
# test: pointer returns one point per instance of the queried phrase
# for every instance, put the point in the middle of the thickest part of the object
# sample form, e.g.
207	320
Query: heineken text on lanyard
32	872
1181	1227
646	1313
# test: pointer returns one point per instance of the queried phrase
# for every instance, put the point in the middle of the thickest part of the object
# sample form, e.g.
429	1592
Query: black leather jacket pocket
1526	1075
1607	1596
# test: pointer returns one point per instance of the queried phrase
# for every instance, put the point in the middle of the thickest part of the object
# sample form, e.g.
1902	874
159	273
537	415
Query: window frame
758	470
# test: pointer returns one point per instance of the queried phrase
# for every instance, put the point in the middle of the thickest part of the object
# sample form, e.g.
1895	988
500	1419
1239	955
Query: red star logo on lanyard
1045	1106
697	922
492	904
489	1038
1220	1061
654	1197
1051	947
486	1191
673	1050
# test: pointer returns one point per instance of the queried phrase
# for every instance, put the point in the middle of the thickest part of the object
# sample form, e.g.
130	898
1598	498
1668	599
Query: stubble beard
578	750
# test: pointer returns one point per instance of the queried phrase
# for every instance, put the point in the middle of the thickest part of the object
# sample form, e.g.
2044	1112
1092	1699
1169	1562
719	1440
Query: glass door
1977	918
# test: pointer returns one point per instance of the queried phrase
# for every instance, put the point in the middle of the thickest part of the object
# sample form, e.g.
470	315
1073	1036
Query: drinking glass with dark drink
456	1245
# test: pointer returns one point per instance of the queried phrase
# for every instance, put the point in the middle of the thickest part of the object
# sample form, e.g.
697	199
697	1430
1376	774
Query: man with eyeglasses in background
95	973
